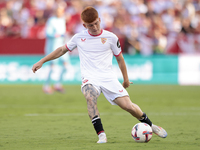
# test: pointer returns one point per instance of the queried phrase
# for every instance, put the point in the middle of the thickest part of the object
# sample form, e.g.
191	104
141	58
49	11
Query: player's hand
126	84
37	66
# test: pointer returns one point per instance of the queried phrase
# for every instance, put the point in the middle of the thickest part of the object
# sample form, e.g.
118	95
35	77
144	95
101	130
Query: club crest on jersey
83	40
103	40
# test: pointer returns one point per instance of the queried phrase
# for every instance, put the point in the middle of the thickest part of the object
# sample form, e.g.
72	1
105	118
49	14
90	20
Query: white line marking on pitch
115	113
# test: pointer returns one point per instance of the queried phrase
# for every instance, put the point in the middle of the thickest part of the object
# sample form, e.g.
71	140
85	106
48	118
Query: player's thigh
113	89
90	92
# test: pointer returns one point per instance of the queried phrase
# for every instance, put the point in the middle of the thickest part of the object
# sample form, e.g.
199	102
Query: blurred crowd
143	26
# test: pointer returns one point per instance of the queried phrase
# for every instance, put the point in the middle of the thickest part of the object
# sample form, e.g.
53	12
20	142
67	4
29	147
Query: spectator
13	30
132	20
160	42
5	21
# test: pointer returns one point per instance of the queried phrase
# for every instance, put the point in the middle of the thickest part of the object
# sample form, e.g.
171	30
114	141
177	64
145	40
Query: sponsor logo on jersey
120	90
103	40
83	40
118	44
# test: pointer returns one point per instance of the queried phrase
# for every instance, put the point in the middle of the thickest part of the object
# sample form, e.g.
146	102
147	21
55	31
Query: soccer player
55	36
96	49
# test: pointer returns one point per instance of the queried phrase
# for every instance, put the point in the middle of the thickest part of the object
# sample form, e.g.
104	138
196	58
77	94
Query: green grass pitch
31	120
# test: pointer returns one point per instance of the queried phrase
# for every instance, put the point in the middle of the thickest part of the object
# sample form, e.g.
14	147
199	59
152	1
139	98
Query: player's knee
87	97
90	100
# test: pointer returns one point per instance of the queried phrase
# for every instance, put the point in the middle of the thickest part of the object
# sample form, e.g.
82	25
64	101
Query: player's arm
53	55
122	66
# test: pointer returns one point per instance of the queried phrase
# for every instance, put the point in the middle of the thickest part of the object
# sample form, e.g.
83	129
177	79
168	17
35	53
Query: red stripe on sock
100	132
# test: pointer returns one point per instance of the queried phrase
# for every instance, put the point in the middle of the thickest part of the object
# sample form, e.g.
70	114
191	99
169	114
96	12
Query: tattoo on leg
91	95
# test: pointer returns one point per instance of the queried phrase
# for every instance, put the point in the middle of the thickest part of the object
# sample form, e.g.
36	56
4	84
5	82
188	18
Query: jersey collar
97	34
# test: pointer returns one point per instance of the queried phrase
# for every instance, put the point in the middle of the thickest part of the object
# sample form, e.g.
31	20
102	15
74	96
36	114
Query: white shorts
111	88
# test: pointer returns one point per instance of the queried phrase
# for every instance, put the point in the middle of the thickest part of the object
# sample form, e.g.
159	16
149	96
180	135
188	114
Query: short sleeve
71	44
115	46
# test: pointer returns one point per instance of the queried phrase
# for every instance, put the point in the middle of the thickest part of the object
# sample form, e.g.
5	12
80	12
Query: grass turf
31	120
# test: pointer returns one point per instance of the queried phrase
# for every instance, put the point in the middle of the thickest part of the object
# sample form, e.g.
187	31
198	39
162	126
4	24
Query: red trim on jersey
97	34
67	48
118	54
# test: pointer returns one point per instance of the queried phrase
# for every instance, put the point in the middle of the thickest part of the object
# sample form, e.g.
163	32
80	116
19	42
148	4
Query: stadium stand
144	27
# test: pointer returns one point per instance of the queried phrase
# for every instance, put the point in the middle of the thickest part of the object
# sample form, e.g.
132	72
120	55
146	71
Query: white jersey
96	53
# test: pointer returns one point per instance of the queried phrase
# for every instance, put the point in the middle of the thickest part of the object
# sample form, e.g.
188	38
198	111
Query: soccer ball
141	132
